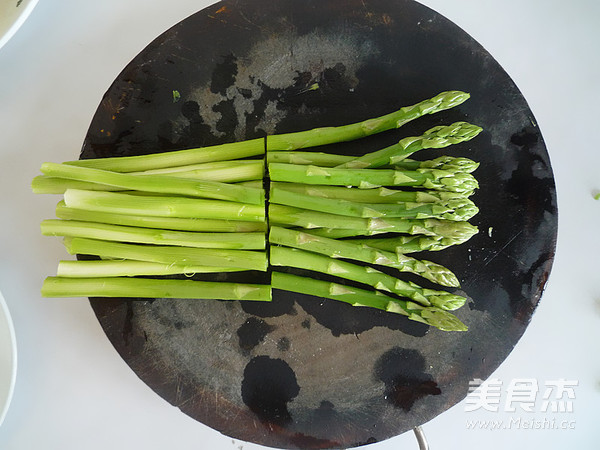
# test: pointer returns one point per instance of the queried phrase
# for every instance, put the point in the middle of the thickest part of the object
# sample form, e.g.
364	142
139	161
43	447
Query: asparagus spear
332	160
226	171
338	233
344	249
163	184
119	233
460	209
308	158
153	288
165	254
360	297
115	202
436	137
222	152
375	195
130	268
168	223
445	180
300	259
43	184
410	244
329	135
289	216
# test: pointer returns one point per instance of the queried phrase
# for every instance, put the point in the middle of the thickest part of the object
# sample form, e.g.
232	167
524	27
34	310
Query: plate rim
17	23
6	319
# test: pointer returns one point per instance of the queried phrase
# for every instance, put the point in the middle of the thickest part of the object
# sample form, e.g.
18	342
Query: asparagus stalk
162	184
460	209
436	137
43	184
330	135
410	244
375	195
130	268
332	160
289	216
432	316
308	158
223	171
115	202
300	259
153	288
445	180
119	233
168	223
222	152
165	254
338	233
347	250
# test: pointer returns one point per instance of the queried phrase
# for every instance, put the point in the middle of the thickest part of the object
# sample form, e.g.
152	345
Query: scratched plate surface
303	372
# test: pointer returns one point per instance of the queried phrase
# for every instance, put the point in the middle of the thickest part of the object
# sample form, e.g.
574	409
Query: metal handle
421	439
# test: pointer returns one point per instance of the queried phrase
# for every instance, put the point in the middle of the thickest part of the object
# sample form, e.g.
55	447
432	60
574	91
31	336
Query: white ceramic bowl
12	15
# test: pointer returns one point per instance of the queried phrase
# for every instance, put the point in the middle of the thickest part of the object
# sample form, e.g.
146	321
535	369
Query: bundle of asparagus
204	211
146	217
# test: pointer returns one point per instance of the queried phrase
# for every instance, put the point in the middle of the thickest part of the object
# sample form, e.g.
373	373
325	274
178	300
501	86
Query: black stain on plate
284	305
253	332
403	373
267	387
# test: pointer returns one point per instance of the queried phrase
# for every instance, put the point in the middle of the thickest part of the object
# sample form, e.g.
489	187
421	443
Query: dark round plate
304	372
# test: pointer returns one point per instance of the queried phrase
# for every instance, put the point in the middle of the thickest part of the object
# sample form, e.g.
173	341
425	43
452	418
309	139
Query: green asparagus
432	316
119	233
163	184
130	268
347	250
437	137
444	180
153	288
300	259
115	202
459	209
222	152
239	259
330	135
168	223
298	217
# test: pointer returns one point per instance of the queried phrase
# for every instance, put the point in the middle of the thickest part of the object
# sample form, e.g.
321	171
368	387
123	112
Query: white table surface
74	392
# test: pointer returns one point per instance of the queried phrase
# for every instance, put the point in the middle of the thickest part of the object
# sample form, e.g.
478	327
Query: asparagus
338	233
168	223
119	233
163	184
432	316
300	259
459	209
332	160
153	288
347	250
436	137
308	158
445	180
289	216
222	152
165	254
410	244
329	135
130	268
226	171
375	195
43	184
114	202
